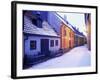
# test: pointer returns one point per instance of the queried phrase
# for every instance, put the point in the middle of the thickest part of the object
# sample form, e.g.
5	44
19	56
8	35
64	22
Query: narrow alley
77	57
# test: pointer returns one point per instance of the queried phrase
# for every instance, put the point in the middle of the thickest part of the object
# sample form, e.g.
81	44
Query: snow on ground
77	57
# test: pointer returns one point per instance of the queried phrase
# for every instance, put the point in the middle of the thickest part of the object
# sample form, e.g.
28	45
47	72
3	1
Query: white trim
28	72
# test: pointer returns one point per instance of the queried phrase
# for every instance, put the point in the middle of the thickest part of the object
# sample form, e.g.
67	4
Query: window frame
33	42
51	43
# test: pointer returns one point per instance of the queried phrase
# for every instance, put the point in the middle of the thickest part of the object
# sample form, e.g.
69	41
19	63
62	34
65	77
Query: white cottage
39	41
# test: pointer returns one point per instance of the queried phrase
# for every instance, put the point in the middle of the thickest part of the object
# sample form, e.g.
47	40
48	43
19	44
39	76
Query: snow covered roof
69	25
77	32
65	22
32	29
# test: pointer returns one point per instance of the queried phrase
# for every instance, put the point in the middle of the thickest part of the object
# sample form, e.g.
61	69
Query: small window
52	43
37	22
70	34
65	33
56	42
34	21
32	45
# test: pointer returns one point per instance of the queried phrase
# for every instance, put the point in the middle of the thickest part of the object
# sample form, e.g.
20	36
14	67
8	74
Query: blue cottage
40	39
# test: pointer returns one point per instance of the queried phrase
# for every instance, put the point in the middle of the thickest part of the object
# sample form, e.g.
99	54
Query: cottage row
47	33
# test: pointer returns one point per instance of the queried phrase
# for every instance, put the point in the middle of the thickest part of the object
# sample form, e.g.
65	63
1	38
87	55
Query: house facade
39	37
67	37
64	29
88	27
79	38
